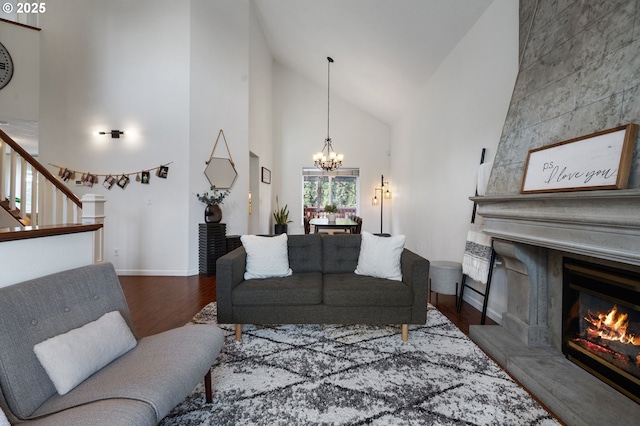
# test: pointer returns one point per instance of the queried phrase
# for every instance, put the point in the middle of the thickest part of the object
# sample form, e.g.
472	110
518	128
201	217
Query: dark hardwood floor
468	314
161	303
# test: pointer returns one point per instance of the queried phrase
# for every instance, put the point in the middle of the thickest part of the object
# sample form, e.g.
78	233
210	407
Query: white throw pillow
380	256
267	257
71	357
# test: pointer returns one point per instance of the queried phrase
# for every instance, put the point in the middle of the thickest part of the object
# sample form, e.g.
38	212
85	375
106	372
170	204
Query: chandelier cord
329	60
331	160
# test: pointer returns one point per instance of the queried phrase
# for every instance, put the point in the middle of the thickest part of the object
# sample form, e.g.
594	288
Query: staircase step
14	212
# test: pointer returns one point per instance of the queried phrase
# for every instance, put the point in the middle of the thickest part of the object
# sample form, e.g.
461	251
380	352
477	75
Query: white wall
438	141
123	65
300	127
219	99
19	98
260	122
171	75
48	255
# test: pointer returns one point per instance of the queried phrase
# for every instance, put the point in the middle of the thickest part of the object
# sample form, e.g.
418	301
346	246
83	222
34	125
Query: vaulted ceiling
384	50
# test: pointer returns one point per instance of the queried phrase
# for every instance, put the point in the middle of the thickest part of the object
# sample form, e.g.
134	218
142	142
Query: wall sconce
385	192
115	134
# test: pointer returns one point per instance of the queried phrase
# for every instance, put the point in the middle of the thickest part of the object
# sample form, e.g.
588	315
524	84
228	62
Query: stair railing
52	203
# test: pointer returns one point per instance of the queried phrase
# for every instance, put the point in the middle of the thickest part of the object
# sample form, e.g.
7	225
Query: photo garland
120	179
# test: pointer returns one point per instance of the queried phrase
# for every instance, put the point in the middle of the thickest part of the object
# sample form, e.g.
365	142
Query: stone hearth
532	233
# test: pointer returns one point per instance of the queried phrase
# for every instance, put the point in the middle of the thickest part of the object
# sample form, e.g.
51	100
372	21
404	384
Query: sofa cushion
110	412
161	371
305	253
340	253
304	288
350	289
380	256
266	256
71	357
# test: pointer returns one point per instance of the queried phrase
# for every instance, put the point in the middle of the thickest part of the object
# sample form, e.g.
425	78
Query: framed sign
598	161
266	175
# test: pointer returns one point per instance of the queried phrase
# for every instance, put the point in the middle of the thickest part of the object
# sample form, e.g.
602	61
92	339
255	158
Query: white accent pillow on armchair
71	357
3	419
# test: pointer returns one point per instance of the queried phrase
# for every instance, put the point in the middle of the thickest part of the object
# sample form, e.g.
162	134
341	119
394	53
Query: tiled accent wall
579	73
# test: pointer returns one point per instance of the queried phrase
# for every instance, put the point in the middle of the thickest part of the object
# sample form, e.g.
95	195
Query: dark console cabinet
212	239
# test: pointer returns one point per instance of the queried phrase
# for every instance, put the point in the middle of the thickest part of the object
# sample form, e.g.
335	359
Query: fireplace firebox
601	330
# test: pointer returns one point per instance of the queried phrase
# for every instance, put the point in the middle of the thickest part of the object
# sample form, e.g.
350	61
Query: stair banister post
3	172
93	212
13	181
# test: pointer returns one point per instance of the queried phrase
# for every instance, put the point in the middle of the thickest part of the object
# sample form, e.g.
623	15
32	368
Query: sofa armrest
229	273
415	273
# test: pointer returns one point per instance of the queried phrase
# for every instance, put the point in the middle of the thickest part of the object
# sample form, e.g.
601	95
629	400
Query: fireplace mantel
603	224
534	233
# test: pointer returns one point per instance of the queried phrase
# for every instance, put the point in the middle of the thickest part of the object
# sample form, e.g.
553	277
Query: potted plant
332	209
212	211
281	216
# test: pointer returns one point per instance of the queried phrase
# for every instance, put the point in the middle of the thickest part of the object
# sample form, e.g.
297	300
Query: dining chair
358	228
307	225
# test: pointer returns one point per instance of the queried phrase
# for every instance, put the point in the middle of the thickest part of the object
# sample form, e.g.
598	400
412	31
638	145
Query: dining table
340	223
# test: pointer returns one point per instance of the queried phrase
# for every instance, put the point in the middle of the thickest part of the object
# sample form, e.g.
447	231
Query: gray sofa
138	388
323	288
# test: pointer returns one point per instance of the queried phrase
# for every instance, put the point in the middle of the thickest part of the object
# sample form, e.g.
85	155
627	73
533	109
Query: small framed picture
266	175
66	175
600	160
109	181
123	181
162	172
89	180
145	177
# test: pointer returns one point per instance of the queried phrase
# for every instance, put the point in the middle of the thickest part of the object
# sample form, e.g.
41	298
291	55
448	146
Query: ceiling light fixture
328	159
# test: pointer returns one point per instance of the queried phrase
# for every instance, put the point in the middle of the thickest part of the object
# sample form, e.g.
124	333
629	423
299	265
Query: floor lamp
384	193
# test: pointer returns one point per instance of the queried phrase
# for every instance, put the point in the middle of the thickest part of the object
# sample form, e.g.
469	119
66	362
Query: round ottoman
444	278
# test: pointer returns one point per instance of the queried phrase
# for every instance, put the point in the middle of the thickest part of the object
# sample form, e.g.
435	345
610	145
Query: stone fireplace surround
532	233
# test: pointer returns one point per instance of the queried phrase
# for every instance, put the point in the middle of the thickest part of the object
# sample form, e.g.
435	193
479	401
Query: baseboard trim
477	303
156	272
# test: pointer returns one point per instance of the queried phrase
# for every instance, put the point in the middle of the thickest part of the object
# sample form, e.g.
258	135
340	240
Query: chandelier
328	159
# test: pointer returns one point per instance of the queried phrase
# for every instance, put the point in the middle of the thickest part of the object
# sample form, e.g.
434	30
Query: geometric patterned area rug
356	375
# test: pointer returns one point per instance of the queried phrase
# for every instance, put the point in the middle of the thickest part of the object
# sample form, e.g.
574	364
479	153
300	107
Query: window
340	187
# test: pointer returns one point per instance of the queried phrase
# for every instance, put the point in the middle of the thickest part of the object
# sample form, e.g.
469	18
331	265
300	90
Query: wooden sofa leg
238	332
207	386
405	332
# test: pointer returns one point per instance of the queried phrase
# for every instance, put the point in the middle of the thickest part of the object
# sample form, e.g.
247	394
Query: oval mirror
221	173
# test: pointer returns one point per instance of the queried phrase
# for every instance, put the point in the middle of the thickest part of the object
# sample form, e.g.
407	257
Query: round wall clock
6	66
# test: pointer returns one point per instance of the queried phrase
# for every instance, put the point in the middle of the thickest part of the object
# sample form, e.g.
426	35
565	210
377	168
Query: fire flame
611	326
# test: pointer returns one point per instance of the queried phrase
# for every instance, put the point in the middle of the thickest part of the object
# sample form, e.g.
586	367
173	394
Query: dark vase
212	214
280	229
